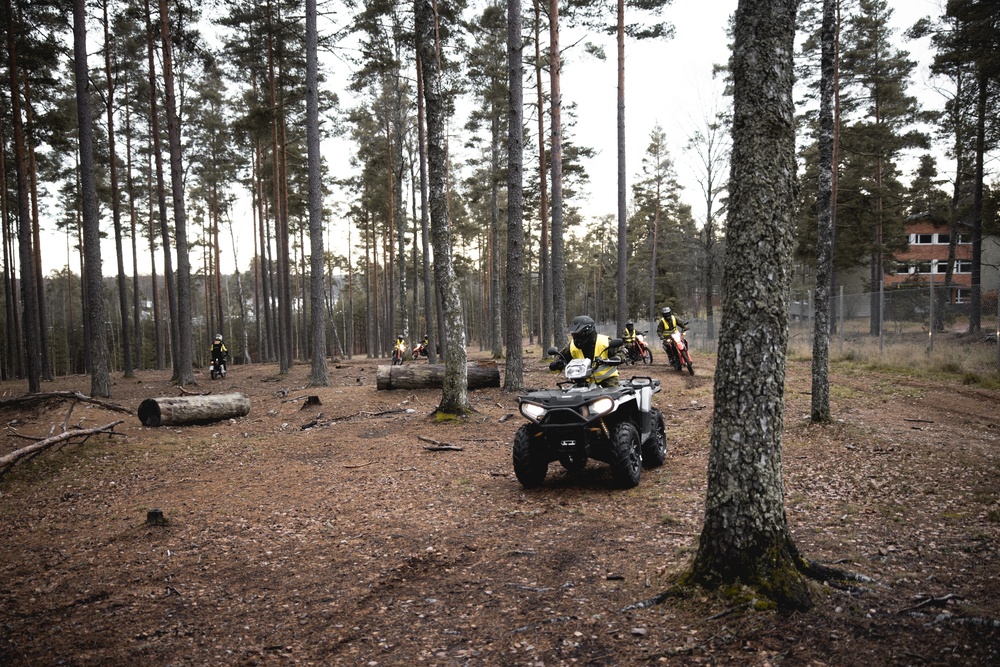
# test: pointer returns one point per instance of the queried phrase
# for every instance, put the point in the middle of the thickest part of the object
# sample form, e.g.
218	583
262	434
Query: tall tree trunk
621	313
116	209
454	394
43	325
434	333
544	256
161	199
12	350
496	324
558	254
976	302
29	289
133	225
318	376
745	538
100	380
183	371
514	370
824	241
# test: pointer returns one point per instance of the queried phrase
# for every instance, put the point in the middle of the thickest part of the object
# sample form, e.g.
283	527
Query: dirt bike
218	368
638	350
582	420
398	353
676	347
420	351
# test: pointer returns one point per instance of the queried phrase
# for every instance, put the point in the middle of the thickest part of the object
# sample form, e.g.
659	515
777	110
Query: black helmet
666	311
630	324
582	328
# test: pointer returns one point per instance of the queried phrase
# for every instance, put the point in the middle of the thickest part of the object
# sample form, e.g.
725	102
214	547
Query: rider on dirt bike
219	353
667	325
398	349
586	343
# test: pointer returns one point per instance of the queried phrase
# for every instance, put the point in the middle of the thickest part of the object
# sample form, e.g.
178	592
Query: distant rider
586	343
667	325
219	352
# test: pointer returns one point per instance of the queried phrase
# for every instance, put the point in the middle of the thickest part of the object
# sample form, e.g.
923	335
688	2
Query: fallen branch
672	592
439	446
38	398
359	465
187	392
922	421
929	600
8	460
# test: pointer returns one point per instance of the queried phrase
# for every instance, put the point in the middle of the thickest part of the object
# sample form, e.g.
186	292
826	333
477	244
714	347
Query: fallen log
166	411
431	376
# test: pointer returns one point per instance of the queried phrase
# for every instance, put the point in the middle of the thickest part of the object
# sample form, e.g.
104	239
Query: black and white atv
581	420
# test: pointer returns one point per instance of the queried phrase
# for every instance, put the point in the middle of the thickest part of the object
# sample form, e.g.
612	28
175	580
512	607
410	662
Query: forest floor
350	543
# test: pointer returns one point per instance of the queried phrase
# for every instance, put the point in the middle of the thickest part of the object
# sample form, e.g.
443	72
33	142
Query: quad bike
218	368
676	347
638	350
581	420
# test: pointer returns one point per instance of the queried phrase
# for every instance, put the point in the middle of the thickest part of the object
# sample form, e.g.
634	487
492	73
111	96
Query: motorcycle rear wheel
626	456
529	466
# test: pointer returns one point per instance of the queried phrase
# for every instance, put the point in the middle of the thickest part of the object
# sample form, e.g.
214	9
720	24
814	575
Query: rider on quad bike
586	343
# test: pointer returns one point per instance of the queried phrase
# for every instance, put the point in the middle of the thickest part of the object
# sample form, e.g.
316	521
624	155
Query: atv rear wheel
626	455
654	450
529	466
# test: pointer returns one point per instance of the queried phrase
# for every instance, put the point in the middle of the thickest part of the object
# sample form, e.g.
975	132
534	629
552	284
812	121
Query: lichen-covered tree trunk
824	241
454	394
745	539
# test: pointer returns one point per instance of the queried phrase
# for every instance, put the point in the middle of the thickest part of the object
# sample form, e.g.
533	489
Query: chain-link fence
908	326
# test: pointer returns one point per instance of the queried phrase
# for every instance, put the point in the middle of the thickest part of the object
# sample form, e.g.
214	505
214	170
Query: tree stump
482	375
192	409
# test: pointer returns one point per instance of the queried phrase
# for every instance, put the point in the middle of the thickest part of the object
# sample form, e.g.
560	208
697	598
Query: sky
668	82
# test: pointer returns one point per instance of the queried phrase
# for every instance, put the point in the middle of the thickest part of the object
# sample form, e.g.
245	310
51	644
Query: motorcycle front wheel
626	456
529	466
647	357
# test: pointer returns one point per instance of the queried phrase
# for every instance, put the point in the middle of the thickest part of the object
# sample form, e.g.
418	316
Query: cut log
431	376
167	411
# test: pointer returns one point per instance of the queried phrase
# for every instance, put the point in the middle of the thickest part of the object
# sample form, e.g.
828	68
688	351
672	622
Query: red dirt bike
676	347
638	350
420	351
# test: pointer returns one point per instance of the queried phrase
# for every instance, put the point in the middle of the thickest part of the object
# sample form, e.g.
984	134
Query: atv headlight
601	406
532	411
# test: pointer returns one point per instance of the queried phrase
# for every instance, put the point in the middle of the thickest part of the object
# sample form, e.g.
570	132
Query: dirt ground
350	543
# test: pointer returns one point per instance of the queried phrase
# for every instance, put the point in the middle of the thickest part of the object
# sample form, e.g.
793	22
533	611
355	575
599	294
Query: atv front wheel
626	463
654	450
529	466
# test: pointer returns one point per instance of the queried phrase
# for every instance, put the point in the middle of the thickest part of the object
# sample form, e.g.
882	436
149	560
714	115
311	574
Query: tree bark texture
824	240
183	370
745	539
514	371
454	394
319	376
558	246
29	291
621	313
169	411
432	376
100	378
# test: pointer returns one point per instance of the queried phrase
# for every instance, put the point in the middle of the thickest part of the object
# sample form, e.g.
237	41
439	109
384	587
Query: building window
921	239
964	239
963	295
943	239
963	266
